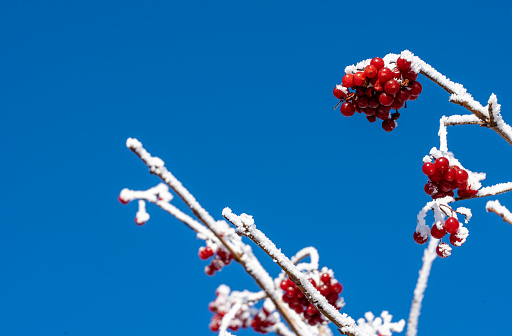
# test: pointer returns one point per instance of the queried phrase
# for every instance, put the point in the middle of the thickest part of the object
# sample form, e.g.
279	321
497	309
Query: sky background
236	98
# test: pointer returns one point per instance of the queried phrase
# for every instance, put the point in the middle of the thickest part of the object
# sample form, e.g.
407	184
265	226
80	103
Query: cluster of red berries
221	305
444	179
263	321
378	90
222	259
293	296
458	235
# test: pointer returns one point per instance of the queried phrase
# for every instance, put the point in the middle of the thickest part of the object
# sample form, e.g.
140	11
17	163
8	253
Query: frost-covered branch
500	210
493	190
380	326
428	258
242	253
490	117
245	226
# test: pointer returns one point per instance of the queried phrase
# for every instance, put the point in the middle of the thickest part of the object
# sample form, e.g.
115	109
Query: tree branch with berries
303	299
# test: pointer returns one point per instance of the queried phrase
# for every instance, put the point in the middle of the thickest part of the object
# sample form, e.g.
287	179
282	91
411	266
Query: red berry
386	99
362	102
370	111
325	278
371	119
332	298
437	232
138	222
442	164
403	95
418	238
377	86
410	75
383	108
402	64
348	80
284	285
377	62
382	115
388	125
385	74
397	74
313	282
428	168
347	109
443	250
209	270
325	290
471	192
449	175
290	292
454	240
370	71
336	288
397	104
338	92
436	177
461	176
413	97
430	189
415	88
122	200
451	225
391	87
359	78
373	102
445	186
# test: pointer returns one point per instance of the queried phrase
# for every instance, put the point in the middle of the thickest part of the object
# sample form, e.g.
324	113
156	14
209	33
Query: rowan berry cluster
444	179
458	235
324	283
264	320
221	305
222	259
378	89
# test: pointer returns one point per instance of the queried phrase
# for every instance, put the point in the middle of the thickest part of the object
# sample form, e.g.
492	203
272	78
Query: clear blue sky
236	97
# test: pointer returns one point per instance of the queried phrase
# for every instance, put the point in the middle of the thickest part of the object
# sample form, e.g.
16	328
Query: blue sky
236	98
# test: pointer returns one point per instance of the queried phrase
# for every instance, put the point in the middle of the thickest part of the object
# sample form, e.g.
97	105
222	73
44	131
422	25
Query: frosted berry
430	189
418	238
338	92
139	222
325	278
437	232
122	200
443	250
451	225
336	288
